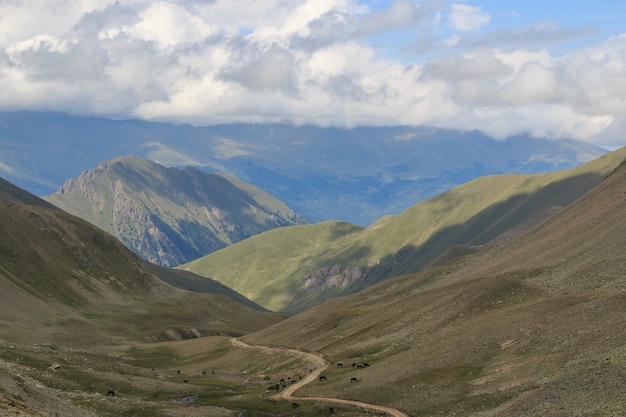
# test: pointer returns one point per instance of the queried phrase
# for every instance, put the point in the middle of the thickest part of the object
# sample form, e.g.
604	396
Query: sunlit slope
533	326
274	271
167	215
63	280
263	265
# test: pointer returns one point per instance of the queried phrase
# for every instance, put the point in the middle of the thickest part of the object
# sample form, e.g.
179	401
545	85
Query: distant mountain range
295	268
355	175
170	216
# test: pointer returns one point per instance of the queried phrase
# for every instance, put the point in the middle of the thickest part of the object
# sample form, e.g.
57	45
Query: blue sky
547	68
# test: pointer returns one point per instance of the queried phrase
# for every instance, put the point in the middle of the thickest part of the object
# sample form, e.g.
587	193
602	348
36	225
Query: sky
546	68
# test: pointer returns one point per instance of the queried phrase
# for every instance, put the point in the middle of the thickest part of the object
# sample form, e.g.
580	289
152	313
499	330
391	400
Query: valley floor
216	376
319	366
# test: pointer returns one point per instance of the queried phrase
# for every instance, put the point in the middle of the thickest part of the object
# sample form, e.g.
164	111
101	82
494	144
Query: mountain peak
170	215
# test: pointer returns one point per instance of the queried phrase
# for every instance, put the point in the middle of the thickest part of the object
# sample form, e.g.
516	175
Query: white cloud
467	18
325	62
169	24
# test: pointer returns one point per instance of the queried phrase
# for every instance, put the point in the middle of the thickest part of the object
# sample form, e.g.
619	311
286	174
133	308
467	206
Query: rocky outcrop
333	277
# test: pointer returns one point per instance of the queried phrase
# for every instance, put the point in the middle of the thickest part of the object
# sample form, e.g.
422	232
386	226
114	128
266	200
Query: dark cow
353	379
295	405
323	378
111	393
340	365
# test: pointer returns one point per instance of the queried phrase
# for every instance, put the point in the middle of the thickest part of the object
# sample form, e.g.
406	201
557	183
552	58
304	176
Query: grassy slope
272	268
254	263
63	279
531	326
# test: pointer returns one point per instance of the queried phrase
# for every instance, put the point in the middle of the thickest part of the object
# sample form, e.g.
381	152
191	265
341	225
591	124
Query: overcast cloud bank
324	62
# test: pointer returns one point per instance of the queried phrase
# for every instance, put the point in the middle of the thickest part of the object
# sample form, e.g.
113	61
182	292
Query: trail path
319	365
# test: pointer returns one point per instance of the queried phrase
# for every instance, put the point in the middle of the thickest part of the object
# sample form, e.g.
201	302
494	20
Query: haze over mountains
356	175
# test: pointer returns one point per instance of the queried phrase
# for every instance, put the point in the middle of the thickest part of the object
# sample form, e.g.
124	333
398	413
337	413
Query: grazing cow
331	410
282	381
178	372
323	378
340	365
360	367
203	373
353	379
295	405
185	380
111	393
365	365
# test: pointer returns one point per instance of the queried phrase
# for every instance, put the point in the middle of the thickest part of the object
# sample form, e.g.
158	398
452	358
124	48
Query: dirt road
319	365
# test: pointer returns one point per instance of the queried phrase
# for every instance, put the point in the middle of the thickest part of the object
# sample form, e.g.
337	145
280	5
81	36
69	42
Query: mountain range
355	175
529	323
170	216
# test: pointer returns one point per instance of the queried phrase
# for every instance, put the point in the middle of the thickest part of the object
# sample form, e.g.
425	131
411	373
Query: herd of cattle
284	383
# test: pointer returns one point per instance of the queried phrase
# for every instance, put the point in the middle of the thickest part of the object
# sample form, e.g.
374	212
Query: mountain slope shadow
344	273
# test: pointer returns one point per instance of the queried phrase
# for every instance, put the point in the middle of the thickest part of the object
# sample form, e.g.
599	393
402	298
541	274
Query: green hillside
63	280
274	270
167	215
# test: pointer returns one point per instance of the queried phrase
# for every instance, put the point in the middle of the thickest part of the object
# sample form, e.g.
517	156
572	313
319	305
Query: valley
223	375
305	208
526	324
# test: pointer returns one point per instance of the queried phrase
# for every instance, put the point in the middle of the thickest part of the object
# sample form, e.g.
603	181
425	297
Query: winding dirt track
319	365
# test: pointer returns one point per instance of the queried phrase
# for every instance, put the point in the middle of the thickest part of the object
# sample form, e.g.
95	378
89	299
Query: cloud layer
325	62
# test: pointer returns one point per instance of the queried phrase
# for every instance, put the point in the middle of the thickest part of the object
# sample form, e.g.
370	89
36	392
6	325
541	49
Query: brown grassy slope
65	281
532	326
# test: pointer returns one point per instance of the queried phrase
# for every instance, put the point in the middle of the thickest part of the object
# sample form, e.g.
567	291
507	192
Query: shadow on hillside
479	230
